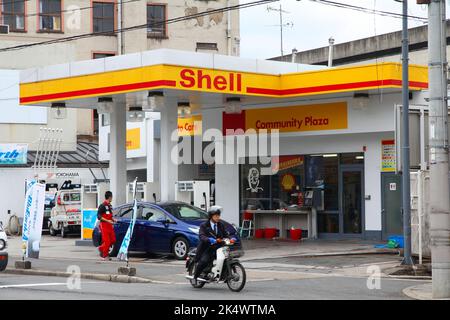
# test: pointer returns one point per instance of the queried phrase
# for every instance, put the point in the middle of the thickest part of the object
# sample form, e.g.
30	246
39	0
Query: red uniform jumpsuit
106	228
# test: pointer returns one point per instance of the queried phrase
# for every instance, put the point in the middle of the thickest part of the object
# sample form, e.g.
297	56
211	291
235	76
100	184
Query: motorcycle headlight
195	230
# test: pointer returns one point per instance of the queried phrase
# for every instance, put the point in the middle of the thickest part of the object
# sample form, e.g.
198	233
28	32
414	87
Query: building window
50	15
103	15
13	13
100	55
207	46
156	21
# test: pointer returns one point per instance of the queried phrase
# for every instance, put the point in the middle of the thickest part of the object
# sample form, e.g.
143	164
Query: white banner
32	218
123	251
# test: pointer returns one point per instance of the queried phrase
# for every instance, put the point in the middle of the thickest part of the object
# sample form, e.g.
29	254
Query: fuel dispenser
93	194
195	192
146	191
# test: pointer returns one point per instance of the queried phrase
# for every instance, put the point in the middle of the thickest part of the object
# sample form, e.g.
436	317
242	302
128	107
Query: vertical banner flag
32	218
123	251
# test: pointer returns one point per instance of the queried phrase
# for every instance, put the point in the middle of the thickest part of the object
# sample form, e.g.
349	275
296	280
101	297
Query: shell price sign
388	156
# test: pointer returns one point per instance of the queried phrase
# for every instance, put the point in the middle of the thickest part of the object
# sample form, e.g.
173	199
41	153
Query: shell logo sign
211	80
288	181
133	140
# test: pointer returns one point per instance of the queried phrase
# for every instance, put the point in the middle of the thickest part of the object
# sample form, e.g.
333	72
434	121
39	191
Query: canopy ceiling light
184	109
104	105
135	114
59	110
155	101
233	105
360	101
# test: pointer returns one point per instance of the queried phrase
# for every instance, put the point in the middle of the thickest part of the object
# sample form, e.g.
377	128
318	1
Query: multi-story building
146	25
94	23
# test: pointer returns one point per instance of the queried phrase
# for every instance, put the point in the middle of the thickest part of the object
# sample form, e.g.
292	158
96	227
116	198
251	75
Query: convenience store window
276	190
255	188
322	170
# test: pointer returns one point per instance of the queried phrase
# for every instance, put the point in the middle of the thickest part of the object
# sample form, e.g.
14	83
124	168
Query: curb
420	292
330	254
89	276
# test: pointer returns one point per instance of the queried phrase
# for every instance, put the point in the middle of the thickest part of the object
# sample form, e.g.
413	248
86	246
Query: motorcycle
224	269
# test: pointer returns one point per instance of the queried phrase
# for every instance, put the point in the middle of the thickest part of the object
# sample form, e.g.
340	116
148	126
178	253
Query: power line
370	11
137	27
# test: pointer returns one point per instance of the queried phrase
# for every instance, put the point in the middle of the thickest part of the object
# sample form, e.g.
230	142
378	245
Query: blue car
163	228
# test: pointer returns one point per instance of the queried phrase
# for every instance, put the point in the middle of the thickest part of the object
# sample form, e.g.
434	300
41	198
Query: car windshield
186	212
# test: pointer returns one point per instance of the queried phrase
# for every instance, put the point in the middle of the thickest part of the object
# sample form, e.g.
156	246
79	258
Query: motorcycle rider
211	234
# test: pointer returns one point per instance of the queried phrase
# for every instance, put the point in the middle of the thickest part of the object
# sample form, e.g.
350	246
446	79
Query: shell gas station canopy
188	73
205	81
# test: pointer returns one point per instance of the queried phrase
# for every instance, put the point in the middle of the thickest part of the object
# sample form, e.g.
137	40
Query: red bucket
259	233
296	234
270	233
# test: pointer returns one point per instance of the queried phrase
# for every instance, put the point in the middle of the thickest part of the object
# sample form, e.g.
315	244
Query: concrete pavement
318	288
56	247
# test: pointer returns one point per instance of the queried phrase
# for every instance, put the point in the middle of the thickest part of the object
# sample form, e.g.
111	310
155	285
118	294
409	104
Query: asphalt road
315	288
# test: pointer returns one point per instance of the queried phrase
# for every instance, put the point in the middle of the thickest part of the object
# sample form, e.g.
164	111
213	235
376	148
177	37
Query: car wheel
180	248
52	231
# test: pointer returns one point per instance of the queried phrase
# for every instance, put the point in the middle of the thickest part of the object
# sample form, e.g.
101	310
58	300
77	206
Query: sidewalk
56	247
263	258
269	249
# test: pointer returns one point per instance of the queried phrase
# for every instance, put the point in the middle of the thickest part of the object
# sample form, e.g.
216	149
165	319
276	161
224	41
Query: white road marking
38	285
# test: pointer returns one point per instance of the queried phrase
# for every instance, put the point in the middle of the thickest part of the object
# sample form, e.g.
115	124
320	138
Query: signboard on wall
133	140
13	154
388	156
317	117
191	126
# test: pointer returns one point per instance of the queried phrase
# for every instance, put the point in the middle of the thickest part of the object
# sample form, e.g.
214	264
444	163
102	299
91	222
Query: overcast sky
315	23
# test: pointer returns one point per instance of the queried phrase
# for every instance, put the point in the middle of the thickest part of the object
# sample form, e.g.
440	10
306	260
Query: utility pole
438	143
406	187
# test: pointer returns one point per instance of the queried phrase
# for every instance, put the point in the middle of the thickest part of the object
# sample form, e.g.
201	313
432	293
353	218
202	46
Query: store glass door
351	179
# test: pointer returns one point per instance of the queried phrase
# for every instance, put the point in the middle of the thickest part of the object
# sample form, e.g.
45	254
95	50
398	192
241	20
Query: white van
66	214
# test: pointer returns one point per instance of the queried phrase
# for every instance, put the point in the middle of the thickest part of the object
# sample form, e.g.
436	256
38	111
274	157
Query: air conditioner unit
4	29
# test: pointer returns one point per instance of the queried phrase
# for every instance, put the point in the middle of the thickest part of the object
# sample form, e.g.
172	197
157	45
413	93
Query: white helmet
214	210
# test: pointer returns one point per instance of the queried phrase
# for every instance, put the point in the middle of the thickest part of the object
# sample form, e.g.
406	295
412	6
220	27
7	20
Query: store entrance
352	197
348	220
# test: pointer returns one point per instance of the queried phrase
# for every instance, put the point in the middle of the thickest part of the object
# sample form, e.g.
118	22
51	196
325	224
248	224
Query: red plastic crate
296	234
270	233
259	233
